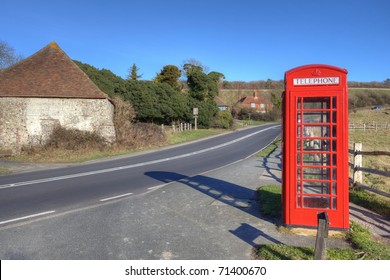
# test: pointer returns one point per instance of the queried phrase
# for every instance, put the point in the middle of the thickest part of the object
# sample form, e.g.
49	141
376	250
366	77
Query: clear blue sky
246	40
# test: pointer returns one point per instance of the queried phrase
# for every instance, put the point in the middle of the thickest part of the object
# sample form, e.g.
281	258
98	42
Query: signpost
195	112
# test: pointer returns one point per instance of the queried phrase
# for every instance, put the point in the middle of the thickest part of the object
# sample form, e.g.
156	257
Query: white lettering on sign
316	81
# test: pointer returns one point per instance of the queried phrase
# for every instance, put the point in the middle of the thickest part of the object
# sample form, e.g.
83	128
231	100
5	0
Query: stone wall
30	121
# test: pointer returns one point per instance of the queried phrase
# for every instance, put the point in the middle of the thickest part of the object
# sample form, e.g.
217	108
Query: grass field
363	245
372	141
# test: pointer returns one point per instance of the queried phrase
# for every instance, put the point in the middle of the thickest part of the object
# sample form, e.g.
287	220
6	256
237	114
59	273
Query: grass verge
191	135
376	203
363	246
81	153
270	148
4	170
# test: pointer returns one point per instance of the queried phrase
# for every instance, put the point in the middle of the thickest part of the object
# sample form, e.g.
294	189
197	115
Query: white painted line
157	187
27	217
115	197
76	175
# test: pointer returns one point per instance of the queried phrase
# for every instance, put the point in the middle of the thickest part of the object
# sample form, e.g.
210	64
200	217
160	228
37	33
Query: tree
198	84
107	81
8	56
192	64
170	75
276	100
133	73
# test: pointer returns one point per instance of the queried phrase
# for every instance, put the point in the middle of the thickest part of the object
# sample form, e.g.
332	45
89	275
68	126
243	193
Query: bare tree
8	56
196	63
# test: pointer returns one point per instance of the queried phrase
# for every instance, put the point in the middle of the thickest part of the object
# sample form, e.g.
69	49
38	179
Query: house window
253	105
262	105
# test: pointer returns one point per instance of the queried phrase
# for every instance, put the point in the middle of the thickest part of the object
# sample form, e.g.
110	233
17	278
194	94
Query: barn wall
29	121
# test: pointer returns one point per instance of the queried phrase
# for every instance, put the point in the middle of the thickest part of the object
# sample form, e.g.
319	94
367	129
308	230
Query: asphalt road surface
33	195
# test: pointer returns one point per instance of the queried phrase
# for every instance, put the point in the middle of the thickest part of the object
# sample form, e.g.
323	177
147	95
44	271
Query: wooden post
357	163
322	233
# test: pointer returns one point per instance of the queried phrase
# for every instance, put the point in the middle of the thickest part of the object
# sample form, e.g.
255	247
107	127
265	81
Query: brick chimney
255	94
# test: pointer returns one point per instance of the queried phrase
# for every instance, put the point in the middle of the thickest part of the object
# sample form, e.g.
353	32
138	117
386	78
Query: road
32	195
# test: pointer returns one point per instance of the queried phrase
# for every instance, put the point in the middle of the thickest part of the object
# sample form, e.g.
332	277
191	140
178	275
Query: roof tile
48	73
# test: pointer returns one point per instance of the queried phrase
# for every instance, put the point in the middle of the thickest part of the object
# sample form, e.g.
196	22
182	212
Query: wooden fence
357	178
177	128
369	126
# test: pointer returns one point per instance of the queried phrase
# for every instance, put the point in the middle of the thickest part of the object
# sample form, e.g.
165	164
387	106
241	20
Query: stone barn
45	90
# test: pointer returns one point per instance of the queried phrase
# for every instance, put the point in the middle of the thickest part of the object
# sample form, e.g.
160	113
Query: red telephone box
315	146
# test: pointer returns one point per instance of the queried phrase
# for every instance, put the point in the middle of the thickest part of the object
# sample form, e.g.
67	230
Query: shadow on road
249	234
272	165
224	193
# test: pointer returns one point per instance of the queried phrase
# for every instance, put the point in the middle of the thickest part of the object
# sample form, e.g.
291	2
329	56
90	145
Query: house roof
48	73
254	99
219	101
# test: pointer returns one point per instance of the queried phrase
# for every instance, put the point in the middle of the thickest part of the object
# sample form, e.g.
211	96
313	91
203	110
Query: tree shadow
225	193
222	191
382	224
273	166
249	234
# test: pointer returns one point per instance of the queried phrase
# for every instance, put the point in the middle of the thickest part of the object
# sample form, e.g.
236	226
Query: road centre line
115	197
27	217
107	170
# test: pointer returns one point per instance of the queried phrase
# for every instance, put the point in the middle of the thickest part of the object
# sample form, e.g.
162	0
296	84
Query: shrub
223	119
74	139
146	135
123	120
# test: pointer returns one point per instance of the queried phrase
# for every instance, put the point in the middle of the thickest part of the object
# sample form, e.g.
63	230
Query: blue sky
246	40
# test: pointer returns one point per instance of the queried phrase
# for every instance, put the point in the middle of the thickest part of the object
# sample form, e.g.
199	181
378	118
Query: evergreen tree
133	73
170	75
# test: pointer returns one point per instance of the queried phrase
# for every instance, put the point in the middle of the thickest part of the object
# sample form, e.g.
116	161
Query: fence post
322	233
357	162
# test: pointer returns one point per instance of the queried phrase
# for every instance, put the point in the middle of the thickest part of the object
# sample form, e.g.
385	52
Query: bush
223	119
123	120
271	116
146	135
74	139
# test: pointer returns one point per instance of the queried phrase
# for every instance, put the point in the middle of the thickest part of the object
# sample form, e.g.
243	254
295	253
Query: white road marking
83	174
115	197
26	217
157	187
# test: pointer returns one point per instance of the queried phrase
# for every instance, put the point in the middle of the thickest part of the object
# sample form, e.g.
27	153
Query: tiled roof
219	101
256	100
48	73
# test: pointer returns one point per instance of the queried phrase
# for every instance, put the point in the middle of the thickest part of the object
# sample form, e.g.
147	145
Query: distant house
221	104
257	103
45	90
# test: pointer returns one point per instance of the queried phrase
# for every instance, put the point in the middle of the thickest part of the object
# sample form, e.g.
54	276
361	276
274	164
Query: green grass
191	135
269	149
376	203
270	200
243	123
363	246
372	141
4	170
